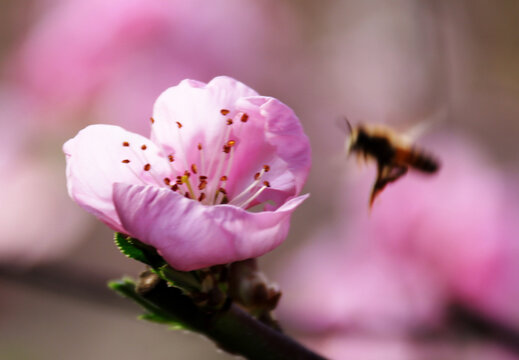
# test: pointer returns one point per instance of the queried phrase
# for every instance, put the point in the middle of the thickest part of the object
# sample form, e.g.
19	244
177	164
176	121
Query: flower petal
190	235
94	164
270	135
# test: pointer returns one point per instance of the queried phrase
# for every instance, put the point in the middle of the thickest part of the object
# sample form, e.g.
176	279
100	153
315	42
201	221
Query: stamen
223	178
224	112
266	183
266	168
174	187
167	181
144	147
229	121
126	143
179	124
247	202
257	179
152	120
185	180
244	117
202	159
201	197
202	185
126	161
171	158
147	167
193	168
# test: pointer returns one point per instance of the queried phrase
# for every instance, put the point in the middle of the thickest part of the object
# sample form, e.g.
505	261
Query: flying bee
393	152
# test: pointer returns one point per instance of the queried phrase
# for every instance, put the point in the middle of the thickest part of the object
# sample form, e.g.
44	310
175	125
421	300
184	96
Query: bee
393	152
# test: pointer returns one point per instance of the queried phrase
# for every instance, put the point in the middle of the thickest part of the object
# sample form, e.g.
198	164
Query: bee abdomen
422	161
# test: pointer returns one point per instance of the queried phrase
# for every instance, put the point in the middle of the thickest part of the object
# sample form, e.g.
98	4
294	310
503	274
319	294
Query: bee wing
385	174
426	124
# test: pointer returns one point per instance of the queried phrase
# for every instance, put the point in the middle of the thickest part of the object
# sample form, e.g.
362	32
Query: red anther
144	147
224	112
126	143
244	118
266	183
193	168
257	176
171	158
167	181
179	124
266	168
126	161
147	167
201	197
223	178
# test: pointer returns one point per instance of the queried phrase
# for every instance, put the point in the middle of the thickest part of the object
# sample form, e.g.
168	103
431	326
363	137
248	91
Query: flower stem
231	328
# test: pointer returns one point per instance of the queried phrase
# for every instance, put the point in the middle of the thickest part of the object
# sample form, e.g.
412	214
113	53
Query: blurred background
432	272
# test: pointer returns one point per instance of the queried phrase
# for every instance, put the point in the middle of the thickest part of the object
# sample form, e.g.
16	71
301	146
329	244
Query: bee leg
385	174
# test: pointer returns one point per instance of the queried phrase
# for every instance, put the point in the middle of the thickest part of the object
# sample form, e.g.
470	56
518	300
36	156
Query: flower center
200	180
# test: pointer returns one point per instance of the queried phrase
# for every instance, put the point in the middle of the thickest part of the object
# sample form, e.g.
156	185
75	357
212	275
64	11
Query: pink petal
94	164
272	135
190	235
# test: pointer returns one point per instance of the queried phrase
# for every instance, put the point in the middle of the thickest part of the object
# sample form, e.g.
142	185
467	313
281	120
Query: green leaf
136	250
125	245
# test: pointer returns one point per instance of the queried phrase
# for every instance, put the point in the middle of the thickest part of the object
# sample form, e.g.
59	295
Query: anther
144	147
167	181
202	177
174	187
231	143
222	190
229	121
179	181
201	197
187	174
202	185
224	112
244	118
266	168
152	120
226	149
125	161
187	195
171	158
223	178
179	124
257	176
266	183
147	167
126	143
193	168
199	146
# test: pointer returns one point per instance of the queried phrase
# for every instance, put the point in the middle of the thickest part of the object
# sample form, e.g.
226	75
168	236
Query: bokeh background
431	273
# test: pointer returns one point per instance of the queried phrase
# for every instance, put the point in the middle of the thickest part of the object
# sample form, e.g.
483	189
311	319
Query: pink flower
216	150
136	49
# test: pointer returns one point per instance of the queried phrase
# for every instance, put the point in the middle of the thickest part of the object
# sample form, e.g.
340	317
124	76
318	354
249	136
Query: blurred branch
65	280
467	320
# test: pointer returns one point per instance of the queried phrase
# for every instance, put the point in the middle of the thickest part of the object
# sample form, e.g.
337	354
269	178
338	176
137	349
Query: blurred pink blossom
221	148
427	243
113	58
38	221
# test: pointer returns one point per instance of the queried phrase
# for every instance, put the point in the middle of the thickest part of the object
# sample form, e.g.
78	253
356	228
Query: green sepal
126	288
134	249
